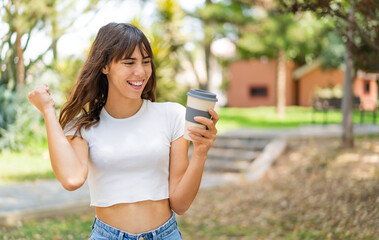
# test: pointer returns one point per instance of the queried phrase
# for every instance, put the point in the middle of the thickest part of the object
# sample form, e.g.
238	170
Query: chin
134	96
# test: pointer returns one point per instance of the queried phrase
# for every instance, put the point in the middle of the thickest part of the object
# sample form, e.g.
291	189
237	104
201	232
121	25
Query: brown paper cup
199	102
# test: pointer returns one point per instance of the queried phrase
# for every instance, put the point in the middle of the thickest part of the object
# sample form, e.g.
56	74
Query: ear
105	70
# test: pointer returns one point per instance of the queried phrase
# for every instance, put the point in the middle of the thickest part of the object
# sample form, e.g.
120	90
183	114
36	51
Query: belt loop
93	224
155	236
121	235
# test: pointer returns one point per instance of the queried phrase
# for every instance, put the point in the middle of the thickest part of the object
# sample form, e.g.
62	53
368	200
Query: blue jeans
168	231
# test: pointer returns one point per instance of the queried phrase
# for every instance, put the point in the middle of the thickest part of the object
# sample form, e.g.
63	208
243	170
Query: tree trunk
207	51
281	84
347	104
347	100
20	63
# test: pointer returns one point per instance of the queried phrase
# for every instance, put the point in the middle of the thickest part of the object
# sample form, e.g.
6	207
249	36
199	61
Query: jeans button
141	238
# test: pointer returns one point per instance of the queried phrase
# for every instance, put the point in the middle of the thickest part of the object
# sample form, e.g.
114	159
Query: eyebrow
130	58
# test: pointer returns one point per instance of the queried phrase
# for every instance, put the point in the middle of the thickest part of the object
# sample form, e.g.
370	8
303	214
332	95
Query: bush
21	124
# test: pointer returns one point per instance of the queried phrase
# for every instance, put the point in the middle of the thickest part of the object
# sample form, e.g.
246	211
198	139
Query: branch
189	58
29	35
89	7
40	56
326	10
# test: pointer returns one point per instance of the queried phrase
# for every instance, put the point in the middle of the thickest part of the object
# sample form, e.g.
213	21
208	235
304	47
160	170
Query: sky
86	26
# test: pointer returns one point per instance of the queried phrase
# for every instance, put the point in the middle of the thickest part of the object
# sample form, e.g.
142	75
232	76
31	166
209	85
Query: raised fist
41	98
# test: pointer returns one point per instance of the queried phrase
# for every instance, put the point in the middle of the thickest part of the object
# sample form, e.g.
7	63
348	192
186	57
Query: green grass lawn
33	163
266	117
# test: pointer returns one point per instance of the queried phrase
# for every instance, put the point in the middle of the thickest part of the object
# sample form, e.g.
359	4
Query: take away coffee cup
199	102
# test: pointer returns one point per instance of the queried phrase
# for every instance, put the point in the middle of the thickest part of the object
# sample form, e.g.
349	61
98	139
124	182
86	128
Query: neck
123	108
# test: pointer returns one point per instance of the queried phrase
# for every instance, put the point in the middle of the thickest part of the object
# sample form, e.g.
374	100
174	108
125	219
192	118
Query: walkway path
44	198
306	131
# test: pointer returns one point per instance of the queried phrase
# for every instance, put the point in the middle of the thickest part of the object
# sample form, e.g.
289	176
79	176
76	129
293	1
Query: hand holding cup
201	119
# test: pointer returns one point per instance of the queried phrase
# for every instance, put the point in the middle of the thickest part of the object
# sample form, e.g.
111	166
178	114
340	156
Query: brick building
252	83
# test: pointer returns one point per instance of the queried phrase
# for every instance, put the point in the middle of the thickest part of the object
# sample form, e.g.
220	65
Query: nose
139	70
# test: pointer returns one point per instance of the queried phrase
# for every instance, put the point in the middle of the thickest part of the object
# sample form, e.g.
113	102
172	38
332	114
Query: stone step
213	179
230	154
213	165
233	153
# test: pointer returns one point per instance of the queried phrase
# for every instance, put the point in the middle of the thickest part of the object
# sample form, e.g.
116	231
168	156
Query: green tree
219	19
167	43
357	22
283	37
24	19
259	29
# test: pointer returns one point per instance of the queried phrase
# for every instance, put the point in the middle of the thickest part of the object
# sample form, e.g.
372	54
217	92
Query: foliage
226	11
333	52
23	20
21	123
68	69
330	92
358	25
218	19
285	32
260	30
24	124
364	44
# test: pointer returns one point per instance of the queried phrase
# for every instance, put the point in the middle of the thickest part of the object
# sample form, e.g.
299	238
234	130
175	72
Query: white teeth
139	83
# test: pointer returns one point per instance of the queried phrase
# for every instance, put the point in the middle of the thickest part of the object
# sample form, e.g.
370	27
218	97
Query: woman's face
128	77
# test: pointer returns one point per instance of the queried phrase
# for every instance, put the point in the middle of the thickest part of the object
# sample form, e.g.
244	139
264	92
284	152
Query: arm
69	157
185	178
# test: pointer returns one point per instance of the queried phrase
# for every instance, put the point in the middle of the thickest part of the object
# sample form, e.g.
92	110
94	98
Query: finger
199	139
30	94
207	122
214	115
203	132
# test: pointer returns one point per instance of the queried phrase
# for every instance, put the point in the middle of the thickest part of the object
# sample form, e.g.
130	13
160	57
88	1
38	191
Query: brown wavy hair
114	41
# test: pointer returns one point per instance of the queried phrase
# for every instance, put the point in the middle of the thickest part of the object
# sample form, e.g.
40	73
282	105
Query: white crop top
129	158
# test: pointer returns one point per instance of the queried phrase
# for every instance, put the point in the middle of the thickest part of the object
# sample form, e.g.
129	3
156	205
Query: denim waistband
117	234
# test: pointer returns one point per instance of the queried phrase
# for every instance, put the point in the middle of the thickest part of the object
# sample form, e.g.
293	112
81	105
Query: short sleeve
177	119
69	130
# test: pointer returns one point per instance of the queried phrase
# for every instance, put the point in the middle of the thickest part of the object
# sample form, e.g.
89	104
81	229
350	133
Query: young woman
130	146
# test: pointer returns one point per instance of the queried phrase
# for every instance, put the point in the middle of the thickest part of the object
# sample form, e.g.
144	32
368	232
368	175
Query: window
366	86
258	91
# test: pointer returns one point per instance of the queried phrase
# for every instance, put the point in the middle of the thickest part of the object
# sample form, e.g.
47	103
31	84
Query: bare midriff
136	217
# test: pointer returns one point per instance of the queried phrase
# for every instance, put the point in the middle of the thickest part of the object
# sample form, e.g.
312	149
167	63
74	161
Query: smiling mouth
135	83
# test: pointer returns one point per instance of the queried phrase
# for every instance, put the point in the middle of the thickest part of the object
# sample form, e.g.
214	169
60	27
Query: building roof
305	69
368	76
